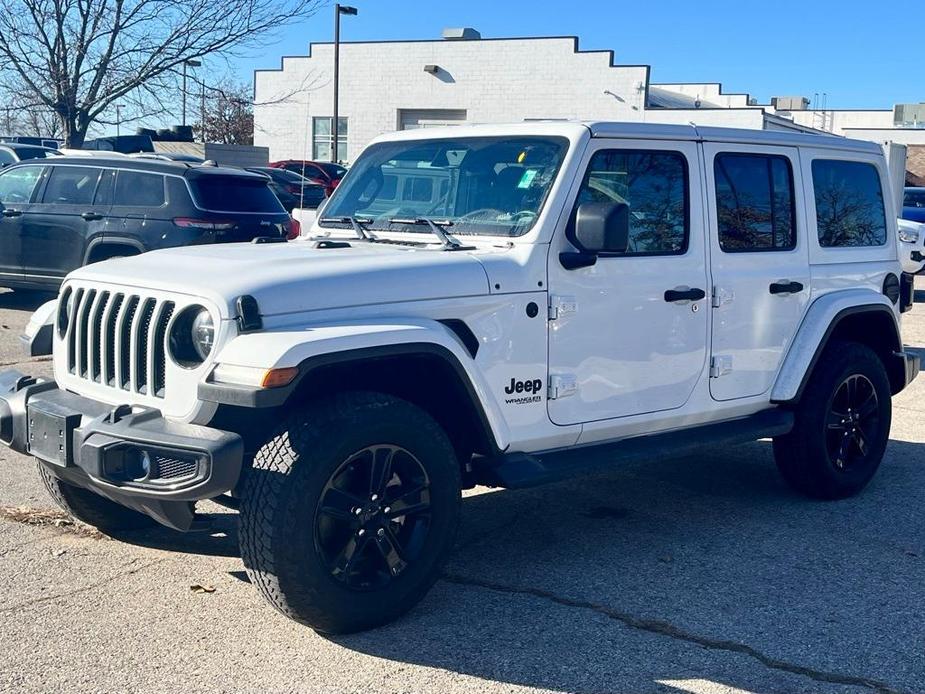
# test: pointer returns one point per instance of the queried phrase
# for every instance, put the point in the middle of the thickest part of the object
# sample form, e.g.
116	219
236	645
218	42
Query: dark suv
61	213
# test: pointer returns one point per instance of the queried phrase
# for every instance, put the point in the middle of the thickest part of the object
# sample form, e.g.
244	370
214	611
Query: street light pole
191	63
338	11
119	108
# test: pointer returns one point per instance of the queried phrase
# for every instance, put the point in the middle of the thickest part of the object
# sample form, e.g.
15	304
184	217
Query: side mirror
600	227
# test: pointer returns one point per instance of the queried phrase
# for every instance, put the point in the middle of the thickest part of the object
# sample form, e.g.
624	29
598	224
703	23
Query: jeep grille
117	339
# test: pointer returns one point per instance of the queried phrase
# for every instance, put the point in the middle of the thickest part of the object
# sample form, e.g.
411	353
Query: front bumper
133	456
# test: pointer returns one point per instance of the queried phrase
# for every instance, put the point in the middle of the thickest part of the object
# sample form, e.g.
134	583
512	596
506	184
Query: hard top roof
162	166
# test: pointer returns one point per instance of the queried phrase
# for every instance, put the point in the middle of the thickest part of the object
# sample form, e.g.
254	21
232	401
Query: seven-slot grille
118	339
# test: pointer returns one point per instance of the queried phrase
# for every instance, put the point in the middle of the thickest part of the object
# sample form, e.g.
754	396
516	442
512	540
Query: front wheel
349	511
842	425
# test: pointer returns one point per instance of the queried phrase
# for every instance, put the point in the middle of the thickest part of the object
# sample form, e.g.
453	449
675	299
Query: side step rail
518	470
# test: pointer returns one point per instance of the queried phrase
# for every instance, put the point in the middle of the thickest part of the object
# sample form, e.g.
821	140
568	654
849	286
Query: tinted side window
71	185
754	202
418	189
6	157
16	185
914	198
654	185
138	189
849	203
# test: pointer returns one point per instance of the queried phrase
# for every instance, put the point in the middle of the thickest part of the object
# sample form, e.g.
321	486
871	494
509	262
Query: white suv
498	305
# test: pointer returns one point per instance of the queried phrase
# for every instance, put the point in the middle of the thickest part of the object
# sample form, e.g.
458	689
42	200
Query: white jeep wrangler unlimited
476	305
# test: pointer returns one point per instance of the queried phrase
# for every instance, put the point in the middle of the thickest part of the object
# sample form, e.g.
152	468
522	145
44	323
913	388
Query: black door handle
91	216
785	288
12	213
673	295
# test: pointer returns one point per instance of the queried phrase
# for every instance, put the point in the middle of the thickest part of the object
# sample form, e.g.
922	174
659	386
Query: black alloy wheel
853	422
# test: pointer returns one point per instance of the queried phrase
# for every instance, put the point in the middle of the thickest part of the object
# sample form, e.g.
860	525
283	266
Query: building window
323	138
849	204
754	203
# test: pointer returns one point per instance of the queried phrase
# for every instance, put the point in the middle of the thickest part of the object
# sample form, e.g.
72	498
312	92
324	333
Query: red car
326	173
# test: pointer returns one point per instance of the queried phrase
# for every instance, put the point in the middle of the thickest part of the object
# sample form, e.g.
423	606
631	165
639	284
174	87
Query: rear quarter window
234	194
139	189
849	204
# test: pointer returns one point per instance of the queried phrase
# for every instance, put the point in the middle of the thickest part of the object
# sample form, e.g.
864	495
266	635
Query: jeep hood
294	277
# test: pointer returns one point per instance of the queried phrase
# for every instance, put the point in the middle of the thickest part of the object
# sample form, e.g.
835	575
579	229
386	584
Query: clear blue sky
767	48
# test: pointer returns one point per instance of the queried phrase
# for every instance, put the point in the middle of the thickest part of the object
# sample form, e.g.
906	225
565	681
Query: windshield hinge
562	386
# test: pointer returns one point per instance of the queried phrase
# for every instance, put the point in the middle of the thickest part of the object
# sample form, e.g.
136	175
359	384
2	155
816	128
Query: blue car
914	204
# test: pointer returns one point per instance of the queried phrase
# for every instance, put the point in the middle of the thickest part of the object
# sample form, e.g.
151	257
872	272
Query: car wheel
92	509
842	425
349	511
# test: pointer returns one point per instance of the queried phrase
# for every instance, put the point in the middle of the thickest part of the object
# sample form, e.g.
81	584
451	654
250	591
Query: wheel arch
103	248
871	322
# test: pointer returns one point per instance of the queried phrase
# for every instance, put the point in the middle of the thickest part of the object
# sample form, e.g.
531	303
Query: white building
390	85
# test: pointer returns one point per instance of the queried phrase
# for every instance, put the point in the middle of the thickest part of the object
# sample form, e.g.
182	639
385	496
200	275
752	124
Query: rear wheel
842	425
92	509
349	512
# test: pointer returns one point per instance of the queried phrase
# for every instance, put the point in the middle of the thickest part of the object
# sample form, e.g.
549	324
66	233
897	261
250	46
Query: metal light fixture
191	63
338	11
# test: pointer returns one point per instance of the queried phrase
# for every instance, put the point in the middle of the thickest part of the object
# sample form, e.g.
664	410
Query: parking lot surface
702	574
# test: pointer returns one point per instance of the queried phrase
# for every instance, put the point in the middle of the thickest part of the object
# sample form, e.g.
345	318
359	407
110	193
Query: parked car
48	142
912	245
914	204
579	294
292	189
61	213
326	173
11	153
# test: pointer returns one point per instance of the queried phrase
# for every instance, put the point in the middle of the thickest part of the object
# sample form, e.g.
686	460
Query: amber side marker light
276	378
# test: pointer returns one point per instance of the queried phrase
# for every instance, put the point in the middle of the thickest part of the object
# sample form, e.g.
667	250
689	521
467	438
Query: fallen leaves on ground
200	589
49	518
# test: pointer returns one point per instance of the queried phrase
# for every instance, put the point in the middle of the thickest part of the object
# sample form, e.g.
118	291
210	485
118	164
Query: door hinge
720	366
560	305
722	296
562	386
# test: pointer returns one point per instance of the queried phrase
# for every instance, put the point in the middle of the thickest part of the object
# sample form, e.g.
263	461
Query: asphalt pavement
701	574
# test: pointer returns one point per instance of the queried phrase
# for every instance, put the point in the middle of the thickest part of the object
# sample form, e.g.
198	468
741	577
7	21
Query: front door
628	335
760	263
17	186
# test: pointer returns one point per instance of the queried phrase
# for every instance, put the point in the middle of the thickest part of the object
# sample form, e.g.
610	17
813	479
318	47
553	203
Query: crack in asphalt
83	589
663	628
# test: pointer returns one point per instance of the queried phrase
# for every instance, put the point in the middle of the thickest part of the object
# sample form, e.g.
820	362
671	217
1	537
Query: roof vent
461	34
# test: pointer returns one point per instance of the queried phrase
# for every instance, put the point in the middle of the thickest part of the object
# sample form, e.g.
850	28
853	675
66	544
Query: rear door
760	263
139	202
59	225
17	188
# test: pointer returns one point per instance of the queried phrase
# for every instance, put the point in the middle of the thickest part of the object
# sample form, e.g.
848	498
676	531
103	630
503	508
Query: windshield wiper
355	222
436	226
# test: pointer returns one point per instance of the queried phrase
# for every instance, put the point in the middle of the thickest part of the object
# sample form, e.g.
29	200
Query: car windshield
914	198
477	185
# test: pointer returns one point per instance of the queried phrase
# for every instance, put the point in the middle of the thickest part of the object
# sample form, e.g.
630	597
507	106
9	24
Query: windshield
477	185
914	198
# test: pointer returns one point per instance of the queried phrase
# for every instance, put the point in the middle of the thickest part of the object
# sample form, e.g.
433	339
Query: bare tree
77	58
228	117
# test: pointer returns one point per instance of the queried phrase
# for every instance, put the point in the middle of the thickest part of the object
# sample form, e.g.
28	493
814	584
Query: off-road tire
803	457
92	509
280	498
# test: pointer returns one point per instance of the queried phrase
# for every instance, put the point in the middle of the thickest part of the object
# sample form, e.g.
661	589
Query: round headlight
203	334
192	336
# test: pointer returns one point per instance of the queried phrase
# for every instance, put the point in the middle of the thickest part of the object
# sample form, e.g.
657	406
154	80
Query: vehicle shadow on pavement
220	539
702	568
23	299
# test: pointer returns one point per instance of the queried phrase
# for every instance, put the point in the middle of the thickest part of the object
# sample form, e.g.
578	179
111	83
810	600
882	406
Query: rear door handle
92	216
684	294
785	287
12	213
